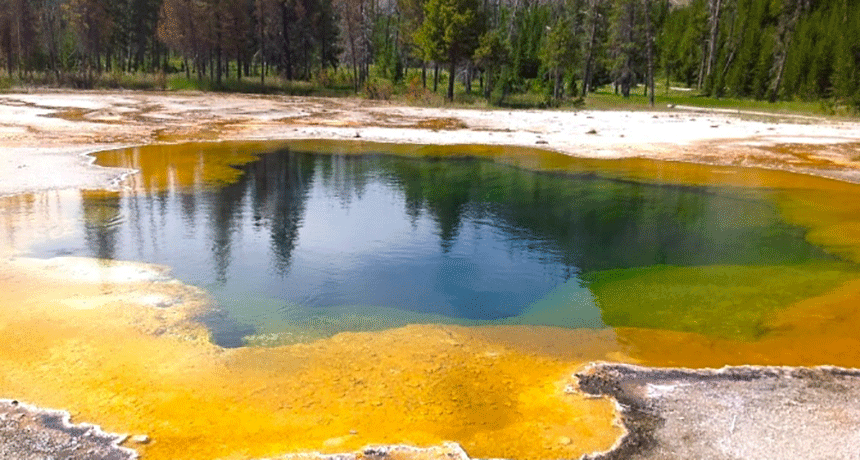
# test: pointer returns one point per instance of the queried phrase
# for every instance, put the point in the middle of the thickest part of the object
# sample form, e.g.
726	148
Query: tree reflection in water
337	242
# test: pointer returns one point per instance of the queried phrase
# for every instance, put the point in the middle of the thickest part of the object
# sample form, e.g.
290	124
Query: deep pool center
297	241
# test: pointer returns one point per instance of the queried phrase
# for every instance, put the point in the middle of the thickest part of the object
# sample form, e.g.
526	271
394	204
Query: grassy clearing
675	95
175	82
272	85
605	99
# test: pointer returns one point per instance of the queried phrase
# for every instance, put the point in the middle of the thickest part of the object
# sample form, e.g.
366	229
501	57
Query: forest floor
746	413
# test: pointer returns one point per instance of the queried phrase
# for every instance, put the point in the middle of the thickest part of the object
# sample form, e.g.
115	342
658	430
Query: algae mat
134	368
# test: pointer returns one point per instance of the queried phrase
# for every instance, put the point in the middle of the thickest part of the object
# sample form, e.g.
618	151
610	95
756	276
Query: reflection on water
296	245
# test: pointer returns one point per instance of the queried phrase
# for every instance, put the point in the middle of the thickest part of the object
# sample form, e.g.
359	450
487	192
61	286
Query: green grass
252	85
605	99
410	91
176	82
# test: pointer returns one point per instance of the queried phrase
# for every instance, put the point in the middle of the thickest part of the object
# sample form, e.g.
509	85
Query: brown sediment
310	121
437	124
817	156
379	121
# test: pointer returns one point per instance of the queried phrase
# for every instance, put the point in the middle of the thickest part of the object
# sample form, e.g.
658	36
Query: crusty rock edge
638	415
36	432
447	450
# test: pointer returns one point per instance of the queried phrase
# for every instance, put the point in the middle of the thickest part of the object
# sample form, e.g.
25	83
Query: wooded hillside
763	49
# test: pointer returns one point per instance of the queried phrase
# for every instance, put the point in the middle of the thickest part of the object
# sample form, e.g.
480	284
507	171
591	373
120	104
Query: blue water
306	245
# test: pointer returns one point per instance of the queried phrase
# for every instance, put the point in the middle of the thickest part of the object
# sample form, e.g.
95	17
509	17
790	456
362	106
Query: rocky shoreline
31	433
748	412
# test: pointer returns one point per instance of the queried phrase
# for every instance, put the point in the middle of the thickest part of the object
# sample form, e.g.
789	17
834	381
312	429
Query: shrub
417	93
378	89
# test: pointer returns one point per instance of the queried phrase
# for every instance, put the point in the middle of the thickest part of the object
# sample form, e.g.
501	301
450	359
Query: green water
726	301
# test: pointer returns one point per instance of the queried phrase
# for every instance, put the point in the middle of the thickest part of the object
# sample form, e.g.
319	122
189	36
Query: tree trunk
716	11
262	43
627	74
354	56
732	45
7	41
435	76
288	58
305	50
238	64
20	48
700	81
780	56
589	53
323	51
453	73
666	90
218	58
649	37
469	78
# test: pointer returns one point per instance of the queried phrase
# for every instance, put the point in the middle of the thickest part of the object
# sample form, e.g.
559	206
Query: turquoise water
305	245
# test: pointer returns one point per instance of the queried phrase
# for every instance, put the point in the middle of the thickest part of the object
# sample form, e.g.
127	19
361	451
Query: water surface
296	244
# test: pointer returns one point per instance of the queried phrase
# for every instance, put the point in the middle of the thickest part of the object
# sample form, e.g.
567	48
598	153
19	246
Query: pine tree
846	75
625	47
450	33
93	24
492	54
558	54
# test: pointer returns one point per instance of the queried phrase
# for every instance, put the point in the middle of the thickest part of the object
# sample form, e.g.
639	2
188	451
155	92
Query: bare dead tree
785	31
716	8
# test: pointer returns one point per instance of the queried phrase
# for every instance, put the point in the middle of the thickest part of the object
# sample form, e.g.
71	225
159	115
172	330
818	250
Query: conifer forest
761	49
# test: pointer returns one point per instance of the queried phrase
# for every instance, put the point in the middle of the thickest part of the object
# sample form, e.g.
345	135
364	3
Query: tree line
763	49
